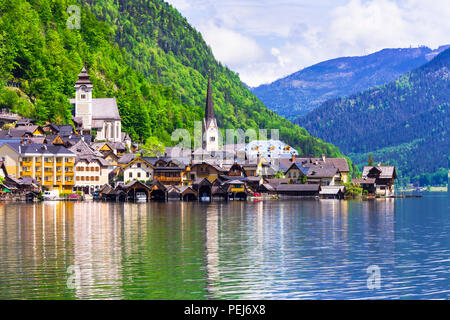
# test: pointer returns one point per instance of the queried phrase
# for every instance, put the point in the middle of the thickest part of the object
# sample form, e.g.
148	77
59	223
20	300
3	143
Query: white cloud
266	39
230	47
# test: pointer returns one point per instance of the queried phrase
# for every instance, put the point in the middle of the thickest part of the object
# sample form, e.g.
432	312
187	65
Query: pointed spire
83	79
209	112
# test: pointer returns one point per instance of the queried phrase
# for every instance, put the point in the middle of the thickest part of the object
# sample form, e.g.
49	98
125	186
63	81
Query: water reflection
243	250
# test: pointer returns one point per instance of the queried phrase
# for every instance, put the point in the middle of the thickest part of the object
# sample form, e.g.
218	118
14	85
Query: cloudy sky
264	40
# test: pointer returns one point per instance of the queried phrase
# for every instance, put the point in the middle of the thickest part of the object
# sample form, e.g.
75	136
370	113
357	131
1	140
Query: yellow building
206	170
52	166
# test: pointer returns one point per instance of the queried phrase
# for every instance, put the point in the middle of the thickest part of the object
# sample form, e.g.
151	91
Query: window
83	96
212	139
148	174
131	175
139	175
138	165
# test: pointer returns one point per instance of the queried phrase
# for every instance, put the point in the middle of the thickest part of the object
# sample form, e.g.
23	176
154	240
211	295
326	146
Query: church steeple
83	80
210	131
209	111
83	99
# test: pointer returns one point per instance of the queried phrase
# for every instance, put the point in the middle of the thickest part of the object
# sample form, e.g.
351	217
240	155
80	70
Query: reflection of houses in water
379	227
212	247
36	243
97	249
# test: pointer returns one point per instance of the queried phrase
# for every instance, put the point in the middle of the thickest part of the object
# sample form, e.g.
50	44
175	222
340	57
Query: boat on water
141	197
49	195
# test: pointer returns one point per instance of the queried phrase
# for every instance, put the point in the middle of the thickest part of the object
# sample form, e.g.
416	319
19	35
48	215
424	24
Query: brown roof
387	172
340	163
277	182
364	181
298	187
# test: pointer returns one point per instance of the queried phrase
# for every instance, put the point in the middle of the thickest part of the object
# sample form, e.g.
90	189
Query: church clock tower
210	131
83	99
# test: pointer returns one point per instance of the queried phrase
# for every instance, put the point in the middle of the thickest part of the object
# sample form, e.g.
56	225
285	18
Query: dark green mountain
142	52
405	122
301	92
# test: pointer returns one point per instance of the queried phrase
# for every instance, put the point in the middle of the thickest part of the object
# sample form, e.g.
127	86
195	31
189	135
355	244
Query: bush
352	190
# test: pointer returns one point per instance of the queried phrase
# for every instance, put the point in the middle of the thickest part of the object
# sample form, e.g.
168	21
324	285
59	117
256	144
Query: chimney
323	157
293	158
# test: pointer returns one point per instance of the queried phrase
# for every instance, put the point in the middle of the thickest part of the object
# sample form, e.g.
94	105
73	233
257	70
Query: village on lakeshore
94	159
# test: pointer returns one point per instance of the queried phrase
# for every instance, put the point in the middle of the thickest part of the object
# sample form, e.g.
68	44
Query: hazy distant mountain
301	92
404	122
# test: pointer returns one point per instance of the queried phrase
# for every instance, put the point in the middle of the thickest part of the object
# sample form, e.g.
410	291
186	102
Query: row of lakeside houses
94	156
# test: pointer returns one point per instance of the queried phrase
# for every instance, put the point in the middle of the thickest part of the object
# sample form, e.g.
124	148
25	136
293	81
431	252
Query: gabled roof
276	182
319	171
82	148
298	165
209	164
41	149
386	172
332	190
92	158
339	163
202	181
126	158
136	182
105	109
298	187
364	181
63	130
136	159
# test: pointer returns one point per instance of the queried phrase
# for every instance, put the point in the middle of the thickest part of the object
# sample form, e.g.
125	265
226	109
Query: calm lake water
239	250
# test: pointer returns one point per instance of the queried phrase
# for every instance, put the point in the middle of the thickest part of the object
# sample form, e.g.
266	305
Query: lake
289	249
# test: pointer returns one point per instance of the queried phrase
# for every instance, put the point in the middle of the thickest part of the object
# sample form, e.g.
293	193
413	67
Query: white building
98	114
138	169
210	130
269	149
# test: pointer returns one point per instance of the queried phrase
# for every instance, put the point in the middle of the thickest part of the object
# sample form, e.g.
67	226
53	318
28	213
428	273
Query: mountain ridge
300	92
411	112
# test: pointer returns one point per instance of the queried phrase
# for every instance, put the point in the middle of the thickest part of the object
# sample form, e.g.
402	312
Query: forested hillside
302	91
405	122
142	52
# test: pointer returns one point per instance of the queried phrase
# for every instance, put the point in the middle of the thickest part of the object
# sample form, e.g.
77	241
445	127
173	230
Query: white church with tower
210	130
96	114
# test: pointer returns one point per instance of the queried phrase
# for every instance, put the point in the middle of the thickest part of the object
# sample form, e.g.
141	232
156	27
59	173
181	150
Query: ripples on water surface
241	250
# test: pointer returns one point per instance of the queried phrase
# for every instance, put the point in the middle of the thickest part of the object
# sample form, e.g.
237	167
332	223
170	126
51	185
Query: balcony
26	163
168	179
